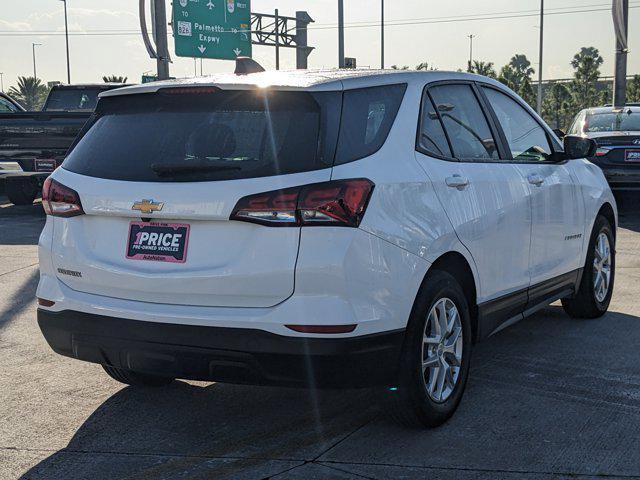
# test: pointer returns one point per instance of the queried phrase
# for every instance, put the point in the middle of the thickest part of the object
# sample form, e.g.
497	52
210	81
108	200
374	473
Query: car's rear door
485	199
158	178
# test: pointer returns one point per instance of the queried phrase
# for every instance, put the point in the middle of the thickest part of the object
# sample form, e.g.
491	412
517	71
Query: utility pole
470	52
33	51
1	82
382	34
539	104
341	33
621	24
66	35
161	39
277	30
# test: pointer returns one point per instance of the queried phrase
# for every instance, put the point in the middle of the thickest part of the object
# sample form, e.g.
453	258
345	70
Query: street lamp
33	50
66	35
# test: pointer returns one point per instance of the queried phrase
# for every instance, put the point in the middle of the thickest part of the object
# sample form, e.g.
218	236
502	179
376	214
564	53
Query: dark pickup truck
33	144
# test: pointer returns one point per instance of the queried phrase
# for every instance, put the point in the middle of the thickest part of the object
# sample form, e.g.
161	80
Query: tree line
561	99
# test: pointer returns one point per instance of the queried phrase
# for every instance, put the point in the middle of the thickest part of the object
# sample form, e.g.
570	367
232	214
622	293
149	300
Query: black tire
409	403
585	304
21	191
130	377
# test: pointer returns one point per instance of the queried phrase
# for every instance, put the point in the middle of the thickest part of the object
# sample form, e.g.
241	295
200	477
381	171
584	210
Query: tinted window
204	137
72	99
625	121
431	137
464	122
526	138
367	117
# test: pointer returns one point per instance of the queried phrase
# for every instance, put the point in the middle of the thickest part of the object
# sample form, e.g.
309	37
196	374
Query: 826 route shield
158	241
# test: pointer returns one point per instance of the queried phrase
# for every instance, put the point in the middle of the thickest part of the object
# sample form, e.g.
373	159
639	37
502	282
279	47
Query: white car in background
325	228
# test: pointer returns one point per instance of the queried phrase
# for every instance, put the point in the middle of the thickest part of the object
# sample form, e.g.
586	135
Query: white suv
327	228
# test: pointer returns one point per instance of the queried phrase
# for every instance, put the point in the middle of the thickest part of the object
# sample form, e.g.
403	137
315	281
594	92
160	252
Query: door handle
457	181
535	179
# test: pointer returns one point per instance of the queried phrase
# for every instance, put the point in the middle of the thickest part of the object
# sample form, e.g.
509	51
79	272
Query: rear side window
72	100
432	139
526	138
367	117
205	137
465	122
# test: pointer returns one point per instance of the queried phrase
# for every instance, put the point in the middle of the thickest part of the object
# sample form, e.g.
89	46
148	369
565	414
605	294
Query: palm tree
396	67
517	76
30	92
114	79
425	66
483	68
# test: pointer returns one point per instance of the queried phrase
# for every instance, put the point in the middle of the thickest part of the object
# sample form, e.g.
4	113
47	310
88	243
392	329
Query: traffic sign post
218	29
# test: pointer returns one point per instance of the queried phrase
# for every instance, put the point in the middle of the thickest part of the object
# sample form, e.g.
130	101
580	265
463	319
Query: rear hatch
158	176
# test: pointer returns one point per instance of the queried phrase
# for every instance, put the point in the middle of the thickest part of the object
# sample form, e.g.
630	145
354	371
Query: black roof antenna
246	65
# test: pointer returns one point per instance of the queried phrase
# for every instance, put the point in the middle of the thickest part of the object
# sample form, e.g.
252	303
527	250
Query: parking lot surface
549	397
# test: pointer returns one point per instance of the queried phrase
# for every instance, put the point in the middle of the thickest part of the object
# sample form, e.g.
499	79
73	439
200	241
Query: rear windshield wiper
176	168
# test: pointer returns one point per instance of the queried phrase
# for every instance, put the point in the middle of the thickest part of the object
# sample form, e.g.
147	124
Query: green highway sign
212	28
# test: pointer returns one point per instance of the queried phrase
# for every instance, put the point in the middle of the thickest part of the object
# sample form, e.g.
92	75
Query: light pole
470	51
66	35
340	34
382	34
539	104
33	51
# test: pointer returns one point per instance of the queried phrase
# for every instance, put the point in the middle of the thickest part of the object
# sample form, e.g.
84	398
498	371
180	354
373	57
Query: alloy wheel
602	267
442	350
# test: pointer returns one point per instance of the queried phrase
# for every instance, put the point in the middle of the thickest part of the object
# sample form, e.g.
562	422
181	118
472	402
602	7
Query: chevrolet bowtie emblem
147	206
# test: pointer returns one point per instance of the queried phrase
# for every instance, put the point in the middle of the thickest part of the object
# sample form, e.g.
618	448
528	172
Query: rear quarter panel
404	209
595	193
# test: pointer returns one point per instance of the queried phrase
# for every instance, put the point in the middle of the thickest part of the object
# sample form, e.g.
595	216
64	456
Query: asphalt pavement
550	397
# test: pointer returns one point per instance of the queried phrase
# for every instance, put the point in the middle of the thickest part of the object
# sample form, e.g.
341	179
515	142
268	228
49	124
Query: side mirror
559	133
578	147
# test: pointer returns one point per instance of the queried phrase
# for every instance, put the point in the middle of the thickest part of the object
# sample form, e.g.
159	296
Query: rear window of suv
208	136
625	120
225	135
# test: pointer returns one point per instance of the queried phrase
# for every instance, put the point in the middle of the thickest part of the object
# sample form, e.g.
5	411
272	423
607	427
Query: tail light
60	201
602	151
339	203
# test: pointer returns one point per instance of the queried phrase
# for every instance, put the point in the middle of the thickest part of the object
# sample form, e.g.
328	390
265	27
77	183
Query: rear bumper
232	355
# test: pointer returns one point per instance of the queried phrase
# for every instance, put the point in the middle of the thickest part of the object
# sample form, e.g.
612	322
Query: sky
439	36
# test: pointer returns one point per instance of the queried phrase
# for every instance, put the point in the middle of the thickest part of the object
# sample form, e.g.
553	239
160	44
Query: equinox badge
147	206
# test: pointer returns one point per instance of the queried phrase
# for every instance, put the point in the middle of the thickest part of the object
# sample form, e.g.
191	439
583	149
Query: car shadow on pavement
629	211
20	225
20	301
157	432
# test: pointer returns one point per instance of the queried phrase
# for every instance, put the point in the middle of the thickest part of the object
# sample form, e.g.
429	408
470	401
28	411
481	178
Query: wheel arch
606	210
456	264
